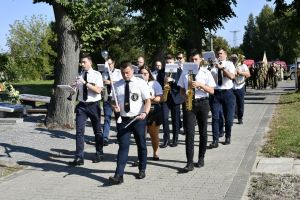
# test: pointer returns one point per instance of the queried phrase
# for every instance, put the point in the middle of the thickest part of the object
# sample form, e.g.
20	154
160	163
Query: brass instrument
190	91
167	88
239	79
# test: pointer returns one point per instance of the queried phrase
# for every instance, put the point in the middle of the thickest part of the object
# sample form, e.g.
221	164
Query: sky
12	10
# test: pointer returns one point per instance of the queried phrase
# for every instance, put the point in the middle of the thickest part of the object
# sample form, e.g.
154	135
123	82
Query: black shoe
174	144
98	158
214	144
155	158
189	167
135	164
240	121
105	142
141	174
77	161
227	141
165	144
116	179
200	163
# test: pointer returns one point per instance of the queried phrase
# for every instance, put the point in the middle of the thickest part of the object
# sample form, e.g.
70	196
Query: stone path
224	176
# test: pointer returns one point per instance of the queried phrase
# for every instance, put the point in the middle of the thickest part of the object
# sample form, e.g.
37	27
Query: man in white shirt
203	85
89	86
223	73
107	108
242	72
133	97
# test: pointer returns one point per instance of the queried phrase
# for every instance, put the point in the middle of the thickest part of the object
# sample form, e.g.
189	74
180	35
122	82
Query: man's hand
107	82
116	108
80	80
142	116
169	79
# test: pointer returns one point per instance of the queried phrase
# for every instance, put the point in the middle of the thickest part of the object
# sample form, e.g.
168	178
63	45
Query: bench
11	110
32	99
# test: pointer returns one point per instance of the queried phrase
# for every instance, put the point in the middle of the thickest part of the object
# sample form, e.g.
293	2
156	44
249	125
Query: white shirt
155	88
203	76
93	77
116	75
139	91
154	74
226	82
240	78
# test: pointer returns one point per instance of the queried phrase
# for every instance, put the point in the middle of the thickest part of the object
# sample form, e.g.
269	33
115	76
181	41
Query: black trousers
199	115
83	111
175	116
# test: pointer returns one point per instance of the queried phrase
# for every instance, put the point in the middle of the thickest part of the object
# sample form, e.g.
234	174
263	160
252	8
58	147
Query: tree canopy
175	24
270	33
30	51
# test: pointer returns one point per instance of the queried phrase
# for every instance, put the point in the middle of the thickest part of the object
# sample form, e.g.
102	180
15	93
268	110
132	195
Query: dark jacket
175	90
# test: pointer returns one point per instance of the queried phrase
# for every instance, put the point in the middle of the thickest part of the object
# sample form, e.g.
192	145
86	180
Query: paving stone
46	153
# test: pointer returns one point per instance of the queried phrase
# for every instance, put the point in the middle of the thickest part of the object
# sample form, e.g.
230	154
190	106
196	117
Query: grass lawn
40	87
284	137
282	141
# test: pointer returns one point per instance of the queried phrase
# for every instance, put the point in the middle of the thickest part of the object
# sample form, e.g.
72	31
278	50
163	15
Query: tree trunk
61	111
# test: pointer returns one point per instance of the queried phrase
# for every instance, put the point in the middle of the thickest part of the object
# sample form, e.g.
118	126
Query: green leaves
29	49
270	33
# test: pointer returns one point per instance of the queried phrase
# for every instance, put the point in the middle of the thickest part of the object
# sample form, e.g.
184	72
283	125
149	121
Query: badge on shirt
134	97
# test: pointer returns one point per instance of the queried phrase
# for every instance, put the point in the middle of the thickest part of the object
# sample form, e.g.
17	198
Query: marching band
142	103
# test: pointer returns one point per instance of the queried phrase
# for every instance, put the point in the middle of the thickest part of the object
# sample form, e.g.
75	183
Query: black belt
128	118
200	99
222	90
88	103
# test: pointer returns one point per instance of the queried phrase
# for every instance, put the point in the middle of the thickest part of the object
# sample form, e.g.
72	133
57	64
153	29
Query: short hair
180	52
169	56
88	56
124	64
195	52
222	48
112	58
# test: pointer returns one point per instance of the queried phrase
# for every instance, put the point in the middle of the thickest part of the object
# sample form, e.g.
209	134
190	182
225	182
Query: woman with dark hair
155	115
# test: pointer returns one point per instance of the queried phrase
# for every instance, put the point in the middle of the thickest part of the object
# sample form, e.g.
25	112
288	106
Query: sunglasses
179	58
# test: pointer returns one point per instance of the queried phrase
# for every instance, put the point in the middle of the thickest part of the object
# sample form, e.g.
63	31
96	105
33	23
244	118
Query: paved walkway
46	153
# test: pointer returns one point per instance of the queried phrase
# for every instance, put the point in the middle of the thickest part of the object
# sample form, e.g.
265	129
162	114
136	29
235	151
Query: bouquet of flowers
9	93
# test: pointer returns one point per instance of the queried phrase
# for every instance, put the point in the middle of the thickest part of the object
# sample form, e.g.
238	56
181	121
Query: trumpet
70	97
190	91
239	79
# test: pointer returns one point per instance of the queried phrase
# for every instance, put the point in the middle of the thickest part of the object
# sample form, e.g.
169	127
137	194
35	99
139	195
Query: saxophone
167	89
239	79
189	92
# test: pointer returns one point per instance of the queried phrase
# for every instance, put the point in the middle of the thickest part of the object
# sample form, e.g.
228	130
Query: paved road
47	176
